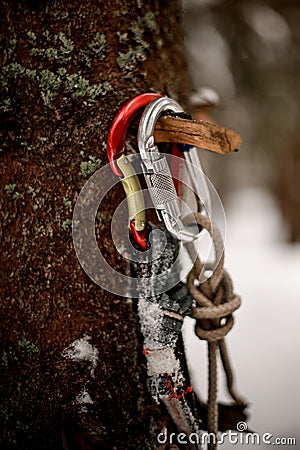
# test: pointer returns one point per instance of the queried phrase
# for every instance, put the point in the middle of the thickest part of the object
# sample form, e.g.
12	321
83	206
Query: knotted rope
216	302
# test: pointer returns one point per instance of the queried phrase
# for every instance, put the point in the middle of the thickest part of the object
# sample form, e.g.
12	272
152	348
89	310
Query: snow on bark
82	350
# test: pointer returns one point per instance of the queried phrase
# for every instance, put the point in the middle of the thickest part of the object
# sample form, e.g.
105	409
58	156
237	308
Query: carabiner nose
118	130
147	125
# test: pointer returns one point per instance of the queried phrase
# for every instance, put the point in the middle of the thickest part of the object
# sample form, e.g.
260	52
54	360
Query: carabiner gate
135	202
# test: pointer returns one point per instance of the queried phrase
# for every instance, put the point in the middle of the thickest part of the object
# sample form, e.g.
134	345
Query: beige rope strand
229	374
216	302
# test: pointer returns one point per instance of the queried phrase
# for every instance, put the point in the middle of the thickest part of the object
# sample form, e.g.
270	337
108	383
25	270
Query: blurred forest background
249	53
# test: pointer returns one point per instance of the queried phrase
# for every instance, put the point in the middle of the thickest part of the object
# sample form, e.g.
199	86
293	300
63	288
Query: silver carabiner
148	150
157	172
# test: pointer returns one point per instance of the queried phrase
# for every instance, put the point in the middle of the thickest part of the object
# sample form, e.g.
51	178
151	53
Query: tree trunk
67	68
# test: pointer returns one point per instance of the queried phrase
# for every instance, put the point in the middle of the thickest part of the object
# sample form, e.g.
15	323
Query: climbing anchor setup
210	301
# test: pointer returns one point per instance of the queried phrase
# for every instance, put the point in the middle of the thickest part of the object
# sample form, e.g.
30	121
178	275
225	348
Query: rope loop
215	320
215	304
214	297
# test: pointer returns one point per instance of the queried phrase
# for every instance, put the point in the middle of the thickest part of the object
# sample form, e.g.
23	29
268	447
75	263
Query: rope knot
216	302
214	297
214	307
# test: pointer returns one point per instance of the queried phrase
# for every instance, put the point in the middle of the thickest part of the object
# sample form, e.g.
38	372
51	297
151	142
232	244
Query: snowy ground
264	343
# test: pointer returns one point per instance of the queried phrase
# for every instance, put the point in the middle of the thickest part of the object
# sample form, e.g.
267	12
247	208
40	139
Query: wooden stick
206	135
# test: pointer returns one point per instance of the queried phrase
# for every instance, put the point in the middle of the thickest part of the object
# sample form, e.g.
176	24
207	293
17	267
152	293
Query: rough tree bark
67	66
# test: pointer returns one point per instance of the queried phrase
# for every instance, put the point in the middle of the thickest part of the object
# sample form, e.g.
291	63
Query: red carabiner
139	237
116	145
118	130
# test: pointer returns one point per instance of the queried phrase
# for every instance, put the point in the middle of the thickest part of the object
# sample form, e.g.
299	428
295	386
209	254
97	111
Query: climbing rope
216	302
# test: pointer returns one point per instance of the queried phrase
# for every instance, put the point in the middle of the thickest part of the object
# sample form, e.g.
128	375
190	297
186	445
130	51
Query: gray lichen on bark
61	85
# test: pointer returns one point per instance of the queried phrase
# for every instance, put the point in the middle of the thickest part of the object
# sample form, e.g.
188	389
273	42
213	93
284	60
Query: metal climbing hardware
135	202
122	168
133	191
157	171
197	178
161	312
119	127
